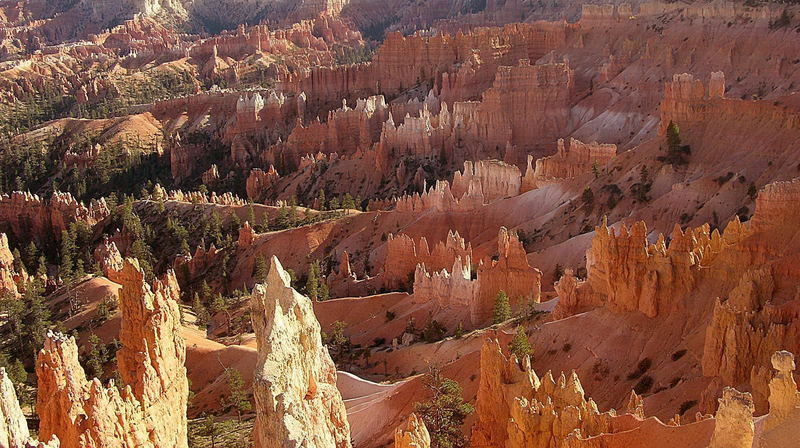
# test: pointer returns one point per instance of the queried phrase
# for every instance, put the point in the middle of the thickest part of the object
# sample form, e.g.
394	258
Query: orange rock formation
150	410
413	435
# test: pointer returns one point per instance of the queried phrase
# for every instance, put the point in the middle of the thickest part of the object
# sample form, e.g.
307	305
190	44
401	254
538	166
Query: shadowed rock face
297	403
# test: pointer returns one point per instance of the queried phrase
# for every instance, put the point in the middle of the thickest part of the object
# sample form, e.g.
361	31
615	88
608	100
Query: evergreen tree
19	265
283	220
264	225
211	430
334	203
14	311
67	254
41	269
215	229
348	202
205	291
218	304
251	216
519	345
587	196
37	319
677	154
31	256
445	412
673	136
200	312
321	201
312	280
96	358
502	308
237	394
260	269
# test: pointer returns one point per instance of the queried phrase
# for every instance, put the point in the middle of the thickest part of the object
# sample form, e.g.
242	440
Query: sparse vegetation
445	411
519	345
502	308
644	385
677	153
643	366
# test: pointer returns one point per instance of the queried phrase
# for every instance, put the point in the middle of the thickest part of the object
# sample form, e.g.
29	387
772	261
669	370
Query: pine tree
348	202
67	254
215	228
334	204
205	291
312	280
251	216
502	308
519	345
218	304
14	311
445	412
237	394
19	265
321	199
264	225
587	196
283	219
97	357
200	311
41	269
37	319
31	256
210	429
260	269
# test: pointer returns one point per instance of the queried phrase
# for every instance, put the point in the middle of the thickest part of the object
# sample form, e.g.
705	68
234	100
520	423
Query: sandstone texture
297	402
150	407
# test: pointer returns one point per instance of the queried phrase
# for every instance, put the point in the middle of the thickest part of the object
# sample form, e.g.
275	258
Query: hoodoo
297	402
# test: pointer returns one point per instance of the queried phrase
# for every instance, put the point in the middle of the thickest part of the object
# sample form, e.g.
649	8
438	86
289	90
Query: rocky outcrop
686	99
526	105
734	420
440	198
297	403
80	412
460	298
27	216
509	272
259	182
413	434
625	273
347	131
403	254
150	409
190	267
13	426
783	395
749	322
199	197
246	236
11	281
515	408
570	160
494	179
